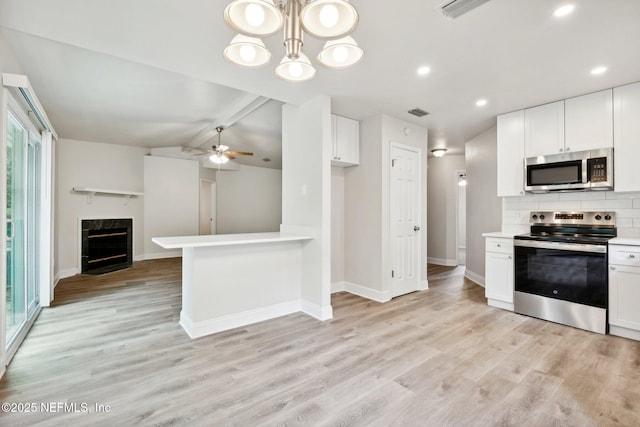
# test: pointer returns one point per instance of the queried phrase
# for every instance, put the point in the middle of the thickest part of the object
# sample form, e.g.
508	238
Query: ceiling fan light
341	53
255	18
218	159
329	19
295	70
249	52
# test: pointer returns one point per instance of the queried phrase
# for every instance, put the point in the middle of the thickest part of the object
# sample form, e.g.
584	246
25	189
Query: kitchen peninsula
232	280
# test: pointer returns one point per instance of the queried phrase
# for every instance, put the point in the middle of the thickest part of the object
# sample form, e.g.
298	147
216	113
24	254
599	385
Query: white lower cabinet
499	272
624	291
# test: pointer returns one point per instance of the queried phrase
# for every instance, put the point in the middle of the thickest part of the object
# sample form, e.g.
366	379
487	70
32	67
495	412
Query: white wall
171	201
442	196
306	196
97	165
249	200
484	207
337	228
367	251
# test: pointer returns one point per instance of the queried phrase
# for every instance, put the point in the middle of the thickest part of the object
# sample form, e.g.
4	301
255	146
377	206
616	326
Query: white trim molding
223	323
474	277
364	292
317	311
442	261
160	255
338	286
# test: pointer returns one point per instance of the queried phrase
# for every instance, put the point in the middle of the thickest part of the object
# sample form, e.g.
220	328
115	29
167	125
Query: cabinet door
511	154
347	142
624	296
544	129
626	142
588	121
499	277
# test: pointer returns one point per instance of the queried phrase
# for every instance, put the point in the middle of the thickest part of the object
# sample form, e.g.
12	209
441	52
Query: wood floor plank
440	357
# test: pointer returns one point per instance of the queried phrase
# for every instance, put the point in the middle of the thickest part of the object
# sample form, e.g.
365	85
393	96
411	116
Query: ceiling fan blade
228	156
240	153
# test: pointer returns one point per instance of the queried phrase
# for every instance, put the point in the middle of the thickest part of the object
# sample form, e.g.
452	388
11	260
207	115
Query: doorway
405	218
461	217
208	222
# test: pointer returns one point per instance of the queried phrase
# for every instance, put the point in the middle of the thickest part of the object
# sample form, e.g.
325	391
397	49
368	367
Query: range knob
598	217
541	216
607	217
534	216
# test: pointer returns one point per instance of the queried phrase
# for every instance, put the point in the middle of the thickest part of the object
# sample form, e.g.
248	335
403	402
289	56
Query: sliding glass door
23	213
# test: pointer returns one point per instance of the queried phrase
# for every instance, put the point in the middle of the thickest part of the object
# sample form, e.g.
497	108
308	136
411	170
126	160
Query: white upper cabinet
626	107
511	154
588	121
346	141
544	129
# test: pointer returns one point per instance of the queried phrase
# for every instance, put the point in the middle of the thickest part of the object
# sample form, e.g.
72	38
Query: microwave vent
454	8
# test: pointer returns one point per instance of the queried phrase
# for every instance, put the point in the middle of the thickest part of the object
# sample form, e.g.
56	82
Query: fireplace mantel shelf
93	191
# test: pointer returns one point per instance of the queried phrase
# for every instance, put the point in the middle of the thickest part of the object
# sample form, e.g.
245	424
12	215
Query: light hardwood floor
441	357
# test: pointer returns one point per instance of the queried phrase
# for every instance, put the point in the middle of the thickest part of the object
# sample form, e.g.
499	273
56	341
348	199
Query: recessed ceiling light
564	10
599	70
423	71
481	102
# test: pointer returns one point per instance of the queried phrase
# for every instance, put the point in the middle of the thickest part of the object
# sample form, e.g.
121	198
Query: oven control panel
573	218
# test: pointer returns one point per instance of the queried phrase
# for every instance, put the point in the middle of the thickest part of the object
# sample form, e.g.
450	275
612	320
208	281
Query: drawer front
502	246
624	255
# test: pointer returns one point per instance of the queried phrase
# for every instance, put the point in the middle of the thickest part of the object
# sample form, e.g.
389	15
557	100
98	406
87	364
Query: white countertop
634	241
226	239
500	234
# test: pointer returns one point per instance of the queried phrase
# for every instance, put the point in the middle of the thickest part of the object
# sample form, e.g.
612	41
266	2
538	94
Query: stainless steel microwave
578	171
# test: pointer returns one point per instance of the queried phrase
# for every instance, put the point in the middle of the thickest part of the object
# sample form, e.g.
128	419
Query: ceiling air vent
454	8
418	112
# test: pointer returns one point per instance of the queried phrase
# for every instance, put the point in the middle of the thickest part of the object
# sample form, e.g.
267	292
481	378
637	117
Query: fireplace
106	245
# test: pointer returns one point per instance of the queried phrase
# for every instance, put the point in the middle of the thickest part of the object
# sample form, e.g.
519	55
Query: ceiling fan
220	154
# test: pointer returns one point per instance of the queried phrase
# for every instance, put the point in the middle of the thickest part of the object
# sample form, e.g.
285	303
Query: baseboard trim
317	311
161	255
364	292
624	332
442	261
338	286
500	304
223	323
63	274
474	277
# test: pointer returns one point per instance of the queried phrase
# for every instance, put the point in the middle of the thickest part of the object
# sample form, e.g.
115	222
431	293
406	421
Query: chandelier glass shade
331	20
249	52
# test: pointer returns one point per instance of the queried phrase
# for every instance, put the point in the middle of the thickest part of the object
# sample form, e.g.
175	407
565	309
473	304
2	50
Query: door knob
416	228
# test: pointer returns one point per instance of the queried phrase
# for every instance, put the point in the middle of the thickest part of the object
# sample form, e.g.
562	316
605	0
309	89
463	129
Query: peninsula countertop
227	239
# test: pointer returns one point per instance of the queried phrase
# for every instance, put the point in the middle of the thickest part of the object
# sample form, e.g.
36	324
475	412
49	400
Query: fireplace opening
106	245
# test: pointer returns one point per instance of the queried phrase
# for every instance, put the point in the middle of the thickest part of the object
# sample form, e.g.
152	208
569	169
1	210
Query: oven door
564	271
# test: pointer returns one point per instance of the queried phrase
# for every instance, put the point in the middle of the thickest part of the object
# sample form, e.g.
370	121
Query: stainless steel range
561	268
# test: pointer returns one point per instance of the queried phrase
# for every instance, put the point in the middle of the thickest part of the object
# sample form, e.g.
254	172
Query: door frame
422	284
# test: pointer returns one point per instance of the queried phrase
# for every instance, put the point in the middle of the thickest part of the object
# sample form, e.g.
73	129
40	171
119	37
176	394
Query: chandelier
331	20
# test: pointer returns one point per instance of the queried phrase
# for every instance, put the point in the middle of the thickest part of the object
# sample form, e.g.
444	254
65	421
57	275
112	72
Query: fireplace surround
107	245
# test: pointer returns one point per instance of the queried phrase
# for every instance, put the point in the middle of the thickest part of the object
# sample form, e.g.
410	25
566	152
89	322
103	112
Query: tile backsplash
516	210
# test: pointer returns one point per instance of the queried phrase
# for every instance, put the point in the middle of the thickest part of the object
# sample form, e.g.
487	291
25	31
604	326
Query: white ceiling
151	72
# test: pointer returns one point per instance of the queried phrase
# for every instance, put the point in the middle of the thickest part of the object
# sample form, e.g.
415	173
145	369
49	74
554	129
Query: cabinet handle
632	256
509	256
561	150
612	267
498	244
567	149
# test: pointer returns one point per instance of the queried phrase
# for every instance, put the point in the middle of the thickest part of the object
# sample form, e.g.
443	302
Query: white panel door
405	219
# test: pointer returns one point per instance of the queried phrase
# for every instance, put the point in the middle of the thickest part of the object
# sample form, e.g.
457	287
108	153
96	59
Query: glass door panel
16	185
32	222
